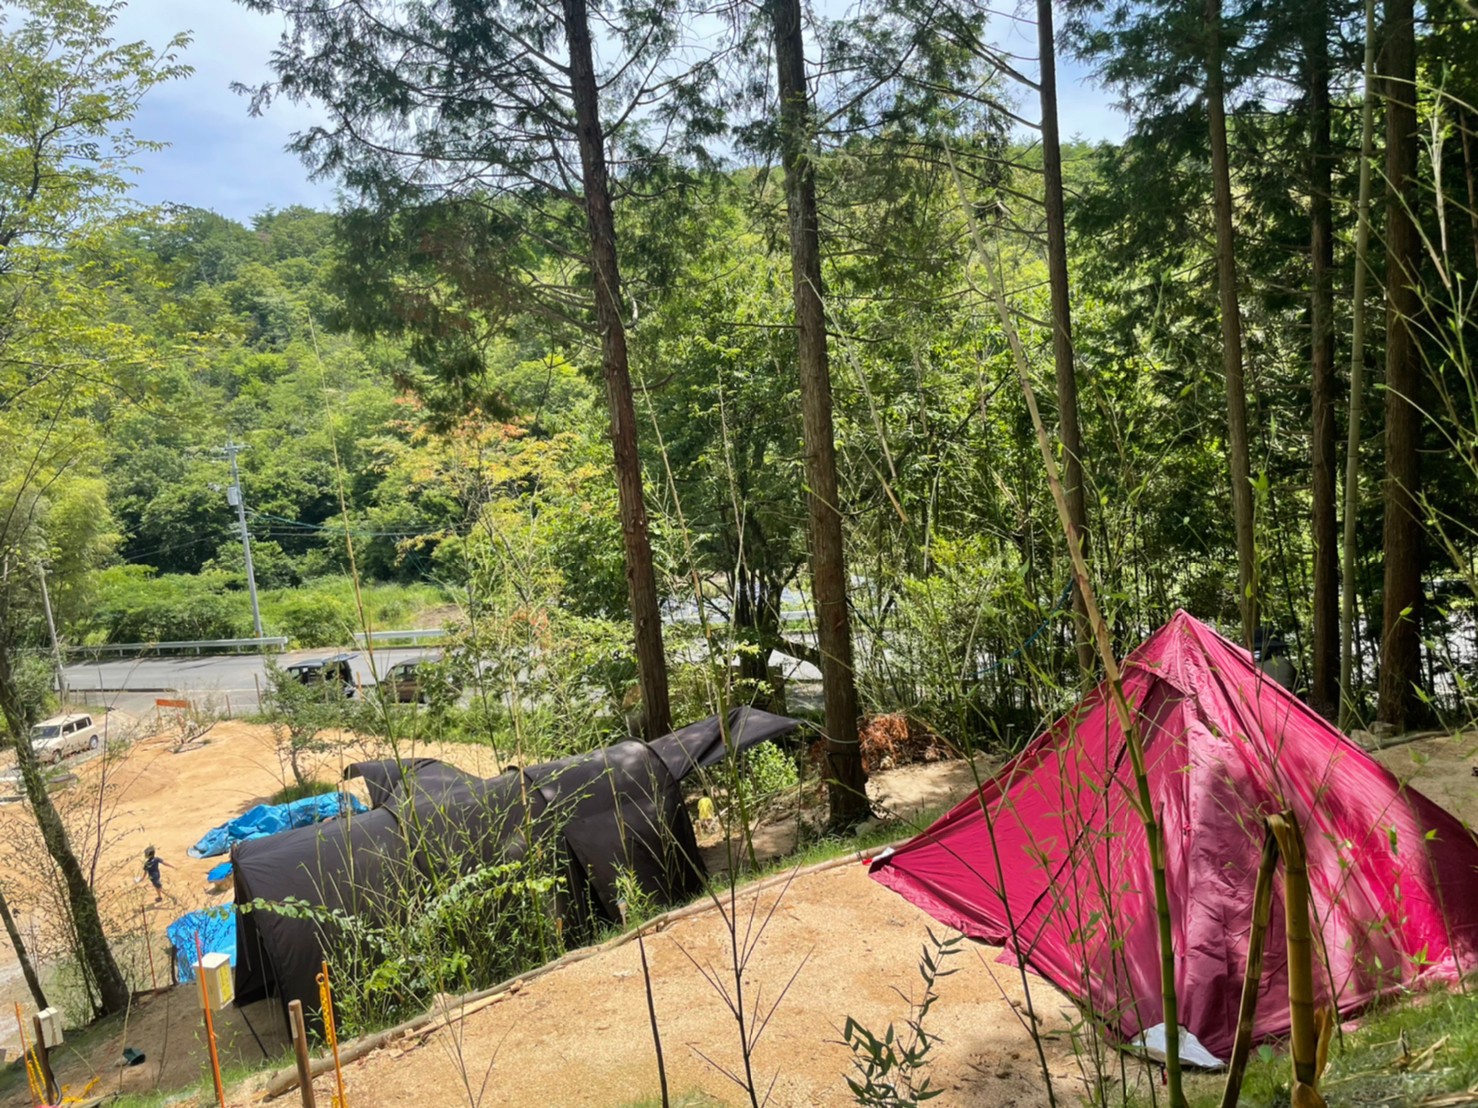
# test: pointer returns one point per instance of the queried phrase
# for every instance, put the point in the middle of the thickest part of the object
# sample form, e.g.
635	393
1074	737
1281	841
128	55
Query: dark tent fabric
615	810
1049	859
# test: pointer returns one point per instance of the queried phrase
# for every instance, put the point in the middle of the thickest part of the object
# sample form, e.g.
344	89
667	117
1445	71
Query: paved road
231	682
133	684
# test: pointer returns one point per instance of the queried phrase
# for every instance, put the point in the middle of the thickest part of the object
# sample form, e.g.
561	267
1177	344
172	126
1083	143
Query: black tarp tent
611	810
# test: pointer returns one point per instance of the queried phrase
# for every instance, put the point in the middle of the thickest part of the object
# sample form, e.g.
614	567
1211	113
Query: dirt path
580	1036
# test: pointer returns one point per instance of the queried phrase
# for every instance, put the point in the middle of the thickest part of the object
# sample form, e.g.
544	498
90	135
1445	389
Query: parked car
53	739
414	680
326	671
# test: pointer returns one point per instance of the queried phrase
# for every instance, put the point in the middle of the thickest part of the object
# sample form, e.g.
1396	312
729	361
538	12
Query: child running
152	862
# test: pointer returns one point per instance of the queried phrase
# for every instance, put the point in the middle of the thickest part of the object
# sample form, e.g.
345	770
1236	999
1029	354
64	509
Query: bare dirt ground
836	945
148	795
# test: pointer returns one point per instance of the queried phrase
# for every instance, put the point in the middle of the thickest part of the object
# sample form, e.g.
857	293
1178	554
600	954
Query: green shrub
310	617
294	791
134	605
765	773
325	611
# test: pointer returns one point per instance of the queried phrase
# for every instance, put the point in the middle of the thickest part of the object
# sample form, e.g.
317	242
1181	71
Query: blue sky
221	158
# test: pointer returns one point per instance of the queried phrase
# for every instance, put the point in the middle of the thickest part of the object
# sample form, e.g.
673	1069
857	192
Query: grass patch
693	1099
294	791
323	612
1439	1030
203	1092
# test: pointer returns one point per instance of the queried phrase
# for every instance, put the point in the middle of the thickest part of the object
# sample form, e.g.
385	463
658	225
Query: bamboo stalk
1304	1038
1128	724
1262	913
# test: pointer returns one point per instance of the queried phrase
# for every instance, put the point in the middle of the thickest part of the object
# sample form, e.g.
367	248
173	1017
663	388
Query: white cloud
219	157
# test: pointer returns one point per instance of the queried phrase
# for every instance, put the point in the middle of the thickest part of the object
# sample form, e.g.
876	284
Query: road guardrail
414	635
197	646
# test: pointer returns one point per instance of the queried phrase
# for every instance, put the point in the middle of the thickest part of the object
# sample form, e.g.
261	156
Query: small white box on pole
215	971
50	1022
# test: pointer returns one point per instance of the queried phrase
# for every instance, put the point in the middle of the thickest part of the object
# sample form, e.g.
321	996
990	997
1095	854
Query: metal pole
251	578
56	646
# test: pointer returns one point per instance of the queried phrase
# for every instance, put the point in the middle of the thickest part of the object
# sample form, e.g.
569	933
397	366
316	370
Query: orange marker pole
210	1026
149	946
326	995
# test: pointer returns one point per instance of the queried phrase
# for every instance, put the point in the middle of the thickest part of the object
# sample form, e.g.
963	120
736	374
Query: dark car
326	671
413	681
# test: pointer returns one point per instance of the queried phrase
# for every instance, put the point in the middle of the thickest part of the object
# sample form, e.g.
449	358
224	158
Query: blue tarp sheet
217	931
220	872
268	819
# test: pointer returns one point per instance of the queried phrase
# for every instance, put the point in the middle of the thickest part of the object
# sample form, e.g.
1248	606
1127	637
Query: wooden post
43	1061
300	1050
148	944
210	1026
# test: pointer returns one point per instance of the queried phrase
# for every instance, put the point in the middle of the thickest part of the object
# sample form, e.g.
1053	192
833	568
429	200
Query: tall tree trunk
1357	381
1231	327
1062	327
28	971
847	787
641	579
1323	688
94	953
1401	604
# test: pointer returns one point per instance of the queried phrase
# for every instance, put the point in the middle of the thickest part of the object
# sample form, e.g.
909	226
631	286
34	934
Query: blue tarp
220	873
268	819
217	931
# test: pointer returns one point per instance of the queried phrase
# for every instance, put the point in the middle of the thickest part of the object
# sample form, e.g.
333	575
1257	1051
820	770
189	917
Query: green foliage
890	1067
133	605
1371	1063
450	935
296	791
312	617
766	773
300	714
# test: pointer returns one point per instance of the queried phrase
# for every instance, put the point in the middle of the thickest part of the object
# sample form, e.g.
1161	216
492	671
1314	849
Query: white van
53	739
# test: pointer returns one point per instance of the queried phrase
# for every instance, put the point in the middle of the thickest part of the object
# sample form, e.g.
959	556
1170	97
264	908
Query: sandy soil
153	796
580	1035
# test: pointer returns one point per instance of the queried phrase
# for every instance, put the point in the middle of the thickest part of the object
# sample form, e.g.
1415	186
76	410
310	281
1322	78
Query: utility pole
237	501
56	646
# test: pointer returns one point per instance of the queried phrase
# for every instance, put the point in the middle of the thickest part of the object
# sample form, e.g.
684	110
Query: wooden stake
210	1026
300	1050
43	1062
149	945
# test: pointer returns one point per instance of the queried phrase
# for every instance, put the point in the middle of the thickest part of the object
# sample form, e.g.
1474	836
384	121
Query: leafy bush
134	605
326	613
294	791
890	1067
765	773
311	617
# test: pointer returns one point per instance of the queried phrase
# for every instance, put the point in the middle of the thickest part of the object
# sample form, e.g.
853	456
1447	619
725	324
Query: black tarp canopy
612	811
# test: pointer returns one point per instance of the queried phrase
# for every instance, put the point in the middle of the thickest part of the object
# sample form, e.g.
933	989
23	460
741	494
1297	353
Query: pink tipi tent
1065	878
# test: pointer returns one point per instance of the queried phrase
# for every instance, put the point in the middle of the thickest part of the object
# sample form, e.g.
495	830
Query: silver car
53	739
